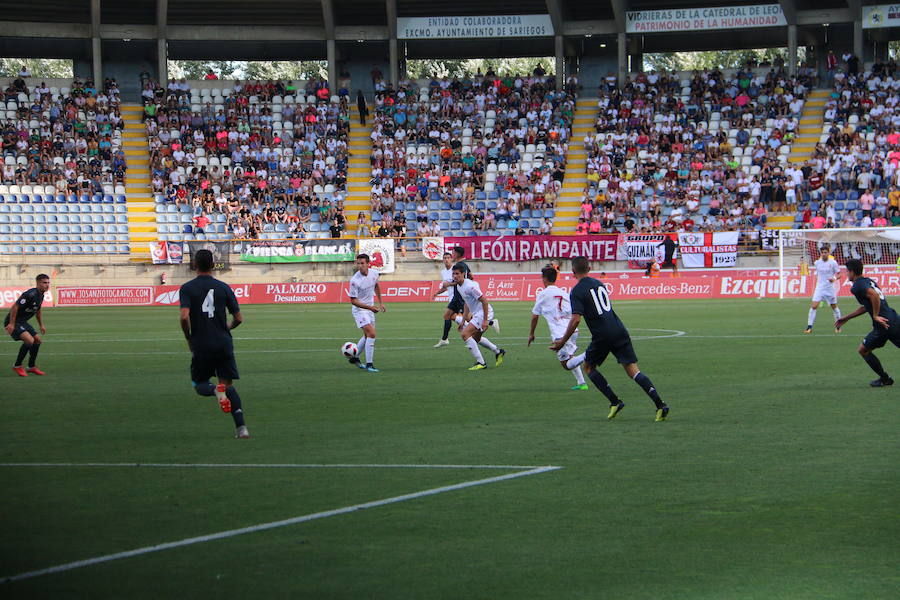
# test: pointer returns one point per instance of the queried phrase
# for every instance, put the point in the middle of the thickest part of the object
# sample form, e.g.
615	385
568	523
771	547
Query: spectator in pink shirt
818	221
866	202
879	221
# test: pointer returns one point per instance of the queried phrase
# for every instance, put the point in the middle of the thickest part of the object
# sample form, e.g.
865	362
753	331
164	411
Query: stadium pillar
96	46
792	50
623	58
858	48
394	57
560	62
162	49
331	49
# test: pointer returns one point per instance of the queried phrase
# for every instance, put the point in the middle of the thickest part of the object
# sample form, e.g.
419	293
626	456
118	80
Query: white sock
472	345
579	375
486	343
812	317
370	350
575	361
361	345
837	313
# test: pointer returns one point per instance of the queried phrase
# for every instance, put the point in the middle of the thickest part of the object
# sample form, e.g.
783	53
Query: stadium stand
64	168
481	155
247	159
692	151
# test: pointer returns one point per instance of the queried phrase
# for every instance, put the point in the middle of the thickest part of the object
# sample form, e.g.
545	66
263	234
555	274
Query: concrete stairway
568	205
358	188
141	207
810	130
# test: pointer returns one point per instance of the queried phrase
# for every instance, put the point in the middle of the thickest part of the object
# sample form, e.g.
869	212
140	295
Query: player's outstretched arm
12	318
875	299
185	320
573	325
534	322
441	289
381	305
40	320
859	311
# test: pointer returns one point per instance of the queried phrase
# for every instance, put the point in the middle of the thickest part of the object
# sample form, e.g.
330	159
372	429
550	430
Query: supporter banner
519	248
768	238
132	295
8	295
221	252
485	26
296	251
699	250
641	248
433	248
166	253
704	19
726	283
381	253
881	15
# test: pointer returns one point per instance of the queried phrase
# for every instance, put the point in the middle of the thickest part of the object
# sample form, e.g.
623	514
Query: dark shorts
205	366
21	328
879	336
456	304
668	263
621	348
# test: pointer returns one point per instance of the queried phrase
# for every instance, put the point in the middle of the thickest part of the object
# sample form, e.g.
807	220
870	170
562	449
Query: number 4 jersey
590	298
860	290
209	301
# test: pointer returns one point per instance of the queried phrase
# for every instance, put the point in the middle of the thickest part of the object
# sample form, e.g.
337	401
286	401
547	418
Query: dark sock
205	388
447	325
22	352
237	412
875	364
32	357
600	381
647	385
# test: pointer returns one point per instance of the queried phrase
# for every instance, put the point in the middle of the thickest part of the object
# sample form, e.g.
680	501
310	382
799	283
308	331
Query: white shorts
363	318
569	350
824	295
478	320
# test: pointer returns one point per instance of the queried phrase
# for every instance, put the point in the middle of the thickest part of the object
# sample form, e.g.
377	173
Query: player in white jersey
363	290
828	281
478	313
553	304
454	305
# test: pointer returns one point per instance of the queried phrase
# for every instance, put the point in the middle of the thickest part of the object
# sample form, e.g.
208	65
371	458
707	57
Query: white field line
271	525
268	466
664	332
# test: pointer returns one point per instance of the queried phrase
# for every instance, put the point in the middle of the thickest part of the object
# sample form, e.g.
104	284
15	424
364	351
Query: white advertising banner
704	19
485	26
881	15
381	253
704	249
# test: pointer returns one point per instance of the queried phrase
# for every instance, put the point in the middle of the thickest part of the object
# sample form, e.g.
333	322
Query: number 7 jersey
590	299
209	301
552	303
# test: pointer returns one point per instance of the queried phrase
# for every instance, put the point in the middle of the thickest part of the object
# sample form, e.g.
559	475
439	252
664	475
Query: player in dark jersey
16	323
204	303
669	259
590	299
885	322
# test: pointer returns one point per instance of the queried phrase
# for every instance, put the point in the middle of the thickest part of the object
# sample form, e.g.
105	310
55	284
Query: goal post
799	248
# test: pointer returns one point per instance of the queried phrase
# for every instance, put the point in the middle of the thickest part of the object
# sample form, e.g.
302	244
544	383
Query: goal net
798	249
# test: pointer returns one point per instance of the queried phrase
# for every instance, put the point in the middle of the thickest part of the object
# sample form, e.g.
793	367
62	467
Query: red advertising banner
8	295
518	248
719	283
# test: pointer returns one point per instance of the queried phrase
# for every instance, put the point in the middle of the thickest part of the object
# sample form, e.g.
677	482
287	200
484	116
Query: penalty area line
269	466
271	525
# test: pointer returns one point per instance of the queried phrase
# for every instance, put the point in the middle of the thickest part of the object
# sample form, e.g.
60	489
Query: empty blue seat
120	199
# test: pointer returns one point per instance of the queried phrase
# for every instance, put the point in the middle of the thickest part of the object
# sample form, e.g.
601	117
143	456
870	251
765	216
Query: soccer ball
349	350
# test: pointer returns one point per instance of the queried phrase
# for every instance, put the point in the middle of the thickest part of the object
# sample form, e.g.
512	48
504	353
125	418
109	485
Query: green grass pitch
775	477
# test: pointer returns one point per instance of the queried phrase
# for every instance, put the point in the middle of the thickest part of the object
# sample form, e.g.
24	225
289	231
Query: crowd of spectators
478	153
707	152
67	139
251	158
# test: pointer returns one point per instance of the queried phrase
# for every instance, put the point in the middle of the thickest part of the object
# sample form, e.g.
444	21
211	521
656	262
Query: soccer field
775	476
